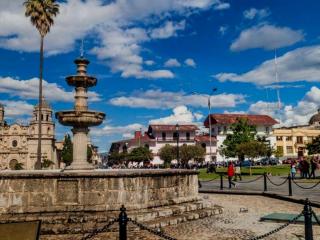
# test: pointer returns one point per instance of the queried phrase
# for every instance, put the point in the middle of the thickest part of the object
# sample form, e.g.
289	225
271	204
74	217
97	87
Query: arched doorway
13	163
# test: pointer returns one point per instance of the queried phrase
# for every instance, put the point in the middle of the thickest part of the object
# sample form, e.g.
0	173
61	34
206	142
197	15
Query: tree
140	154
242	132
278	152
41	13
314	147
252	149
18	166
167	153
67	150
116	158
189	152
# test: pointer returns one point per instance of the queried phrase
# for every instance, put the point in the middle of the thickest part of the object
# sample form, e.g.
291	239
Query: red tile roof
205	138
233	118
162	127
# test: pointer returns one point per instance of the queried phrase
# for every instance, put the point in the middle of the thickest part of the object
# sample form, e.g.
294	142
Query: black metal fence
123	221
266	179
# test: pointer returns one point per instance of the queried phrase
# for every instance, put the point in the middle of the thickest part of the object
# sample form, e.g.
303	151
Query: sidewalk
257	187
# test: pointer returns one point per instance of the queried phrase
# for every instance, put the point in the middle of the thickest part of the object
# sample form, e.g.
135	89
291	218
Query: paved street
258	186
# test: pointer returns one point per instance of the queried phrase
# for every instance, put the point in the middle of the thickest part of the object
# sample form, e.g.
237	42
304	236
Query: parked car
246	163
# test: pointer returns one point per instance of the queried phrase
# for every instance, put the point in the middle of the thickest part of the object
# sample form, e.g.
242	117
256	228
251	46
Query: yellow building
292	141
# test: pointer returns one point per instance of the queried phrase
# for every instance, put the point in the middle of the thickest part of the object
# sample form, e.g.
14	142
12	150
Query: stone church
18	143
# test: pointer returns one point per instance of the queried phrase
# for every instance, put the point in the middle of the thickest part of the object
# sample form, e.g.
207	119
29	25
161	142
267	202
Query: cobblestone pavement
312	194
232	224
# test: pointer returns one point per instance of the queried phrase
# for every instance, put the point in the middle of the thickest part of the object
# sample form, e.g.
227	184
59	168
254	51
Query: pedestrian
231	174
238	171
293	170
314	165
306	168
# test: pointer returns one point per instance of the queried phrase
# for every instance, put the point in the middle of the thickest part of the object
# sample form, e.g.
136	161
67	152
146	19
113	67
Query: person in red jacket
230	173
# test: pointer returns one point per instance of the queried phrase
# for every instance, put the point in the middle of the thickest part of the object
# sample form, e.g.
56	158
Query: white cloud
267	37
190	62
149	62
223	30
301	64
28	89
172	62
117	18
222	5
290	115
158	99
14	109
108	130
169	29
256	13
180	115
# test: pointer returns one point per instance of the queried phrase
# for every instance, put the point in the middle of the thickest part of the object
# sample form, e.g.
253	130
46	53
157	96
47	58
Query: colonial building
220	127
18	143
158	136
292	141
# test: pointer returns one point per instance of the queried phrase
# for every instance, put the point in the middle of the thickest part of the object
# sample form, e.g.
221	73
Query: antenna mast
277	81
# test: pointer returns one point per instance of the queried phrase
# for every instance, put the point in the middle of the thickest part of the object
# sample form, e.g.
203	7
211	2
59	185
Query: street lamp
177	135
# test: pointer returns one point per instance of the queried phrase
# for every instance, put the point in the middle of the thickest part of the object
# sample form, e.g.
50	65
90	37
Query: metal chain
306	187
277	184
153	231
251	180
100	230
204	181
316	217
278	229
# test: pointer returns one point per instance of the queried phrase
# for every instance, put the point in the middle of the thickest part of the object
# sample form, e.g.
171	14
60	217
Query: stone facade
18	143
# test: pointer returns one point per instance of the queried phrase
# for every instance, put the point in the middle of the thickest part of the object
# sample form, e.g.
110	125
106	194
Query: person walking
314	165
238	171
230	173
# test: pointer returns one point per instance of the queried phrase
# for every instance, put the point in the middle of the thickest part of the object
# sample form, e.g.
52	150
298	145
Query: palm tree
41	13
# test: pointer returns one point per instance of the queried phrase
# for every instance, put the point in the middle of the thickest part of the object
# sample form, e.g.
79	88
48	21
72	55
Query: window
289	138
219	130
175	135
280	149
47	118
147	146
188	136
279	138
14	143
299	139
289	150
42	117
267	129
203	145
164	136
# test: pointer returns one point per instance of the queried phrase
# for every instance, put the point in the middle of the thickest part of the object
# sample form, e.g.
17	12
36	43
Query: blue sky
150	56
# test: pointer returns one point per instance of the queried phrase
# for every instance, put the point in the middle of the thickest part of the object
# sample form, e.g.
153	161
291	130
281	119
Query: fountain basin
80	118
98	190
81	81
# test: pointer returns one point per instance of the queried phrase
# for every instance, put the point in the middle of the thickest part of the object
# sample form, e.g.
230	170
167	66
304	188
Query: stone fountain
80	118
73	203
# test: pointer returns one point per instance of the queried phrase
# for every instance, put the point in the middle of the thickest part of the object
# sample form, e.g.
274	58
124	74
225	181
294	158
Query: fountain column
80	118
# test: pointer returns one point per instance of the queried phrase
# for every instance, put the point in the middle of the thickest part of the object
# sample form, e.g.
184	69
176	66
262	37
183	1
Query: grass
280	170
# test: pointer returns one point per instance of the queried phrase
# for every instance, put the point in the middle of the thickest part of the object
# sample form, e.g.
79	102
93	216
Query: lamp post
177	134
